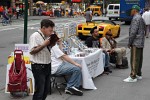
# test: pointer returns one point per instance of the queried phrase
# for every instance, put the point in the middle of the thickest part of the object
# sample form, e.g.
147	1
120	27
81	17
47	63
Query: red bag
17	74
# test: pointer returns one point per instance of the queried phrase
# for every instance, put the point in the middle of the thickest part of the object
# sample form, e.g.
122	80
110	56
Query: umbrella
39	2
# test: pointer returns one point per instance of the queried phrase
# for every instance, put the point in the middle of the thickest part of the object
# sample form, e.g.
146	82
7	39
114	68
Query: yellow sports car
83	29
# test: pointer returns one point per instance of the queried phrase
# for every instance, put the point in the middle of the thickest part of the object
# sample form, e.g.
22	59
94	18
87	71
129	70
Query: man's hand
46	42
108	50
112	51
76	64
104	50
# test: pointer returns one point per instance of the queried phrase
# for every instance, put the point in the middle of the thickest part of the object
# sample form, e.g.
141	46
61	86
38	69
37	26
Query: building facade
5	3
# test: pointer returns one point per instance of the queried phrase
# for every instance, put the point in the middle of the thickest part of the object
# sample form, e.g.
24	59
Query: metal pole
25	21
104	7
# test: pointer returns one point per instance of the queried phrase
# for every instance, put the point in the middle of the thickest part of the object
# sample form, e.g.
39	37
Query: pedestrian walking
136	44
146	17
1	11
40	58
40	11
10	13
88	16
5	15
17	11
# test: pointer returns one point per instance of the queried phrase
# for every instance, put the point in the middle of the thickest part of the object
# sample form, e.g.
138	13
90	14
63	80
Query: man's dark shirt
92	42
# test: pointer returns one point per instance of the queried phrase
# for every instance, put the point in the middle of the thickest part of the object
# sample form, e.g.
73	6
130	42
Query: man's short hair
47	23
92	30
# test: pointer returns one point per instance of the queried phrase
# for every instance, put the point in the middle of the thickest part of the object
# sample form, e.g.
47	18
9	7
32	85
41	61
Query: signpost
104	7
25	21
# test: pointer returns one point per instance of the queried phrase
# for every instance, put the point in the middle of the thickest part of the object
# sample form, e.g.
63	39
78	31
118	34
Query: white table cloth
92	66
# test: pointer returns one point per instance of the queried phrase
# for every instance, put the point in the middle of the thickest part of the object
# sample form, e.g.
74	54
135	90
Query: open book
53	39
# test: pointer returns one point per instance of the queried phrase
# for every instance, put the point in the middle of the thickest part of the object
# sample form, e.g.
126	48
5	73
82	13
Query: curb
15	20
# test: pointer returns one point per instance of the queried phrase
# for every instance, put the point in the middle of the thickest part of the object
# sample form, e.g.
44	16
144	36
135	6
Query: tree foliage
113	1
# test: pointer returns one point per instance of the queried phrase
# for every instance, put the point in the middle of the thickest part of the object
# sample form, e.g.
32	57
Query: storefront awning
76	1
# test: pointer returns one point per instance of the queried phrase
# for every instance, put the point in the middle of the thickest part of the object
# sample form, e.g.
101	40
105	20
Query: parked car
47	13
113	11
96	10
83	29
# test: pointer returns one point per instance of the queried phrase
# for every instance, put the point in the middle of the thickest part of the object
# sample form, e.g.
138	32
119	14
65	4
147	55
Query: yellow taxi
83	29
96	10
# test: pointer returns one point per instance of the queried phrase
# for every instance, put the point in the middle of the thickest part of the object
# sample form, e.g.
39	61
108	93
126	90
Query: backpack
17	74
125	62
113	58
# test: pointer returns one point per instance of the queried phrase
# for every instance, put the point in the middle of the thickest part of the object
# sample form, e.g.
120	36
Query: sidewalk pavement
31	18
110	87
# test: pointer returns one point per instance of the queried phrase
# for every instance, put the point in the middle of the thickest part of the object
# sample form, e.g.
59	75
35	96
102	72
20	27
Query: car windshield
103	21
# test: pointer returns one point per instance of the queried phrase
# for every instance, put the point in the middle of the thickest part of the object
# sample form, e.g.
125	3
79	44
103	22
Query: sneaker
74	91
129	79
138	77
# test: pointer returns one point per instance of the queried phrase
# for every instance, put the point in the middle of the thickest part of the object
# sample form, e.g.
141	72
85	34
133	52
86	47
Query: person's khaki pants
136	61
121	52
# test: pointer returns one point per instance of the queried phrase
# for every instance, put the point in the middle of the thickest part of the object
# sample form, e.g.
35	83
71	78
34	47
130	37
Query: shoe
129	79
107	69
138	77
104	72
120	67
74	91
80	87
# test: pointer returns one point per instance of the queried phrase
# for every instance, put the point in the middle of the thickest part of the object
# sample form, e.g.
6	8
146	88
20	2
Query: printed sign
59	28
72	29
132	1
93	63
23	47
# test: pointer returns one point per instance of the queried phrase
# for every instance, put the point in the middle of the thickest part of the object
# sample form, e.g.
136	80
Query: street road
110	87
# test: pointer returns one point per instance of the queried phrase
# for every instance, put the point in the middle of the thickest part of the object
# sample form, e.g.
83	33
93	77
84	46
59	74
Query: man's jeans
106	59
69	69
41	73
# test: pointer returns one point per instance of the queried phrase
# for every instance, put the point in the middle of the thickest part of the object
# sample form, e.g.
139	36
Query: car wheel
96	14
